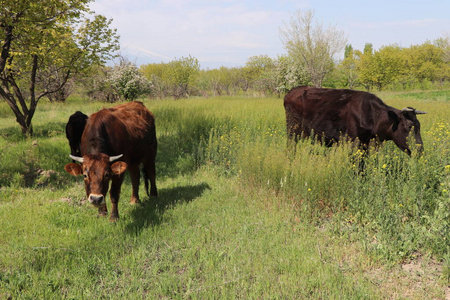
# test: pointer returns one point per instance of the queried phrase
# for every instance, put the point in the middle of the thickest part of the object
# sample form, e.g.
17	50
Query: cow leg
291	137
114	194
102	211
294	128
134	174
290	123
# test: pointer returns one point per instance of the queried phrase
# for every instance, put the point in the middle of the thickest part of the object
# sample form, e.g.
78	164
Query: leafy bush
128	81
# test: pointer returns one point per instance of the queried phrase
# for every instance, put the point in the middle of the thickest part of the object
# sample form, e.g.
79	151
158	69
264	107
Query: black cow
333	113
74	131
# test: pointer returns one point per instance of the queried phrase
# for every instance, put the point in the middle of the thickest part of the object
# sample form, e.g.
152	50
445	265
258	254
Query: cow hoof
134	201
113	219
102	211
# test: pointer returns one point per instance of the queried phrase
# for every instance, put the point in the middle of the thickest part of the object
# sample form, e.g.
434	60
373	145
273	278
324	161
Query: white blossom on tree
126	79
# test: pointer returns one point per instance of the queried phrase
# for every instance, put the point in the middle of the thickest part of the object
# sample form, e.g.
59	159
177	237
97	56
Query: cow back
331	113
127	129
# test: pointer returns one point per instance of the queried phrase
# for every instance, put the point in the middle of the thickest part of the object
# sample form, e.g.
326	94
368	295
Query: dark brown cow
127	133
74	131
332	113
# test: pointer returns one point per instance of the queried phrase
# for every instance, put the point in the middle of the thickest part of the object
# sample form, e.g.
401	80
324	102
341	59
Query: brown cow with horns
333	113
113	140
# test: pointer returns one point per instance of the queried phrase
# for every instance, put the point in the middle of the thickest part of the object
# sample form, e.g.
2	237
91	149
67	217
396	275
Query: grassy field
238	216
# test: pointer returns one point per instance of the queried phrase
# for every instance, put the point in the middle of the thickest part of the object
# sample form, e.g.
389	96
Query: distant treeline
424	66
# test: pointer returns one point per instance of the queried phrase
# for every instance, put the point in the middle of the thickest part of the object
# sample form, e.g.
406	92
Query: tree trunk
23	113
26	126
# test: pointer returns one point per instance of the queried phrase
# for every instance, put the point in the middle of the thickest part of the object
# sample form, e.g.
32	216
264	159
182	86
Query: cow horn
114	158
77	158
419	112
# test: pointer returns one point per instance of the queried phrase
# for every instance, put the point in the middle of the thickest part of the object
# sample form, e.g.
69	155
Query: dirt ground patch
419	278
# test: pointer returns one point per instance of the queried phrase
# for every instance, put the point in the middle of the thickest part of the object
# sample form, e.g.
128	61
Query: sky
228	32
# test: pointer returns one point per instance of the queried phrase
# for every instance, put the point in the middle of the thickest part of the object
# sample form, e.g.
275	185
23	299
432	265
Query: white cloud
227	32
174	28
149	53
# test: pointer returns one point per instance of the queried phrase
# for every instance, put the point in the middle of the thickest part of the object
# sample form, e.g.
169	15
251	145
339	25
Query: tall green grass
240	214
401	203
425	95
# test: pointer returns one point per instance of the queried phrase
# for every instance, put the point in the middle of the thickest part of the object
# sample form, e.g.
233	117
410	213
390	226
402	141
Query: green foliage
346	71
174	78
261	75
381	68
405	67
182	72
425	61
97	85
157	74
32	62
424	66
229	81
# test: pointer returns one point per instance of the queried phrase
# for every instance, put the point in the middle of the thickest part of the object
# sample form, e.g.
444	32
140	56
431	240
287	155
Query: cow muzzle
97	200
419	148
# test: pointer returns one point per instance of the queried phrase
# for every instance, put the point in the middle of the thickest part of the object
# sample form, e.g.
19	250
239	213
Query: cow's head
97	170
403	122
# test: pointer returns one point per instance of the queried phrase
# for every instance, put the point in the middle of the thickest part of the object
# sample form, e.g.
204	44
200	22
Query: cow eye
85	175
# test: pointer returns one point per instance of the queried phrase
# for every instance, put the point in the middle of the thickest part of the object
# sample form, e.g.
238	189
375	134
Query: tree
364	66
216	80
289	74
260	73
54	79
312	44
444	70
41	38
157	74
368	49
405	77
383	67
347	68
97	86
128	81
182	72
426	61
173	78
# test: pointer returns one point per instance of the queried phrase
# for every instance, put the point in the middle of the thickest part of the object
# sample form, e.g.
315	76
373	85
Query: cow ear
73	169
394	119
118	167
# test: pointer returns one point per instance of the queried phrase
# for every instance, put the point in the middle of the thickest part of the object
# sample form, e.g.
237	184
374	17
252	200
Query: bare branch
312	44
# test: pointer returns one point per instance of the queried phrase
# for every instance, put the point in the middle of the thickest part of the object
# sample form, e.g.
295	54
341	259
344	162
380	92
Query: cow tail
153	144
146	182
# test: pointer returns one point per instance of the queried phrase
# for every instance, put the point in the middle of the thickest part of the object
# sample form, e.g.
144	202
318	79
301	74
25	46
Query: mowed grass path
210	233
